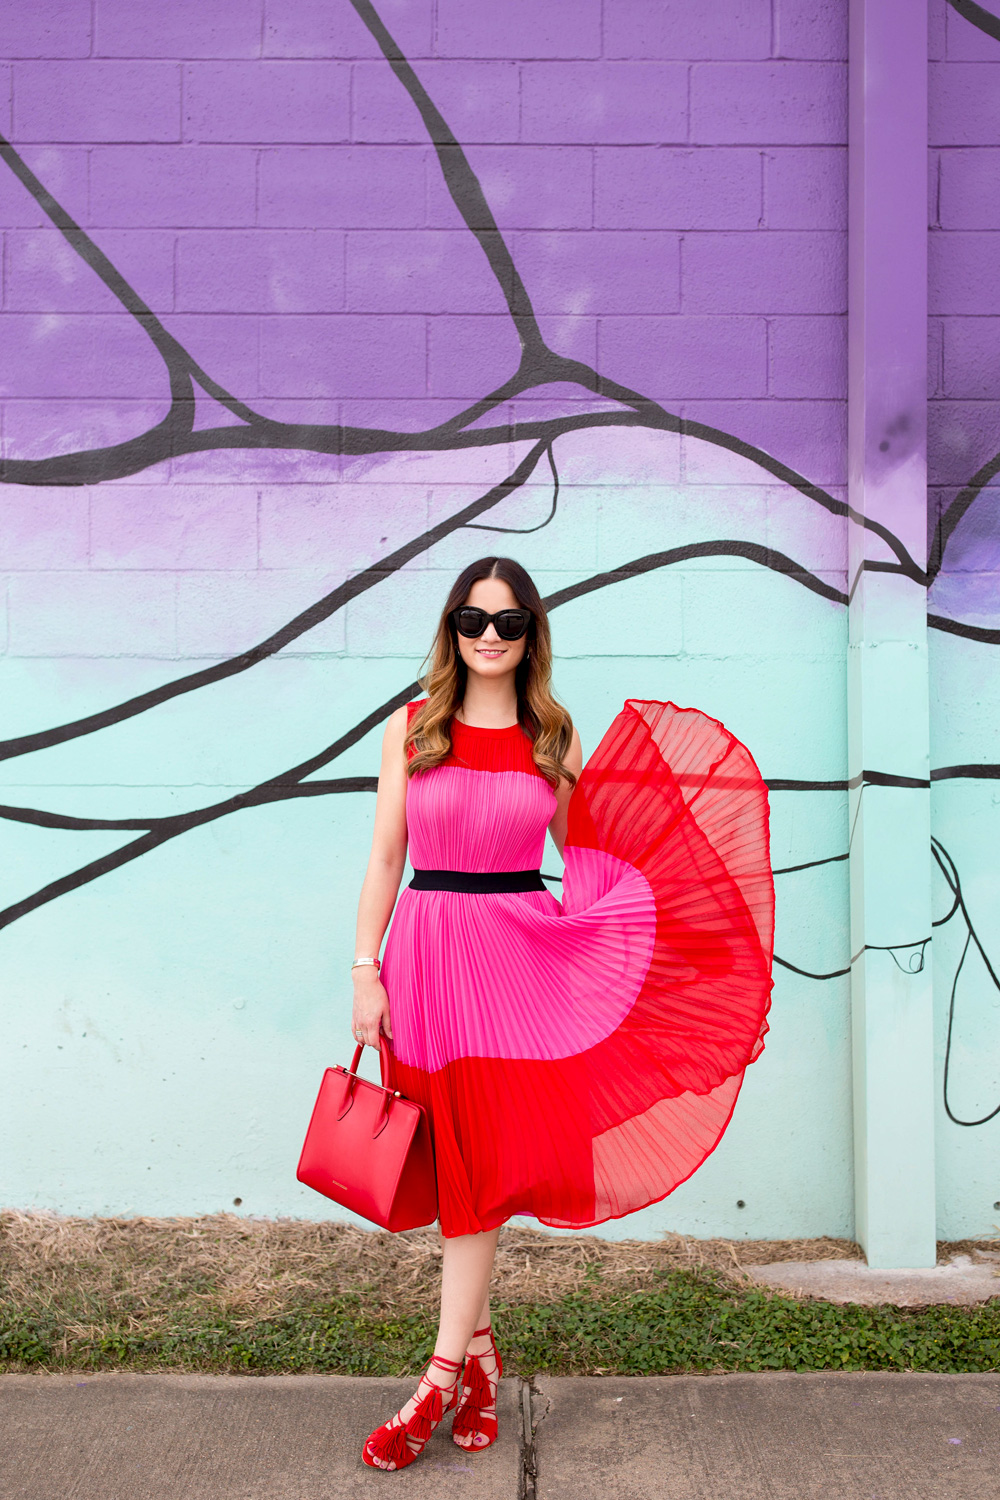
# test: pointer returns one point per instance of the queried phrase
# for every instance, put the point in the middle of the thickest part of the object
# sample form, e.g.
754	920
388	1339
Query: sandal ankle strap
481	1333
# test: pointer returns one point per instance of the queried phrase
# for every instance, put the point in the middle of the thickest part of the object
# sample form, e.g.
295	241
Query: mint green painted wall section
171	1019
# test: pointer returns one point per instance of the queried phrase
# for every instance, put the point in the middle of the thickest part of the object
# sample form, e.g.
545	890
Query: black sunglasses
509	624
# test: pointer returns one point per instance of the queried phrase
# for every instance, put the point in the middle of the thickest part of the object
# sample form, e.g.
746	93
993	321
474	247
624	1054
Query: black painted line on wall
810	864
175	435
978	16
287	786
335	600
274	790
322	610
186	821
257	797
539	363
807	973
981	633
527	530
949	870
766	557
973	772
462	183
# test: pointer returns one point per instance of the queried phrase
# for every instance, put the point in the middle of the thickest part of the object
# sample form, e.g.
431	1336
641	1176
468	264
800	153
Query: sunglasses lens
470	622
511	624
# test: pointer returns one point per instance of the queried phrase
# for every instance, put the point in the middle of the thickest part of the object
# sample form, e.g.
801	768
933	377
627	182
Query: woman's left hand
371	1007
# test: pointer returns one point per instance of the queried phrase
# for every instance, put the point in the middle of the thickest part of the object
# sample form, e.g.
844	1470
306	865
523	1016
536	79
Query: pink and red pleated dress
580	1059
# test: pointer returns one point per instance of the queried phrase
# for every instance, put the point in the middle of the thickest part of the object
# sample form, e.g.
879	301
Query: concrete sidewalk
230	1437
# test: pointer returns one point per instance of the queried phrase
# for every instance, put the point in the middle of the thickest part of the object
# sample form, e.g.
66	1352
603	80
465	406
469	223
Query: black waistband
479	883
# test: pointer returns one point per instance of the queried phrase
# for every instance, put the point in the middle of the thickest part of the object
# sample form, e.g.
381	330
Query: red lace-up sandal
398	1443
477	1414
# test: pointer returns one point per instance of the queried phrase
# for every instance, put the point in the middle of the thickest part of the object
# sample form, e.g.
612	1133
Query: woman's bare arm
381	884
574	763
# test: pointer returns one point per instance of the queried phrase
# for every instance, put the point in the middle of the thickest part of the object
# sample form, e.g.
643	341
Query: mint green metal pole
891	990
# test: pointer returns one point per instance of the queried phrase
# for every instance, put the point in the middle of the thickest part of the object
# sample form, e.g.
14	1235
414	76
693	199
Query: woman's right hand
371	1007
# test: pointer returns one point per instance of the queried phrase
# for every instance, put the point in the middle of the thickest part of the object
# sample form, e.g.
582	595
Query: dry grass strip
153	1271
246	1269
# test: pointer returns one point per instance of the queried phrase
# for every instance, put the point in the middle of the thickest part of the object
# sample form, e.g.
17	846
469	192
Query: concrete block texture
601	272
347	187
560	28
61	28
969	362
716	28
127	614
229	270
805	187
809	435
299	1437
346	355
267	101
185	28
47	528
674	357
606	101
962	273
53	357
45	274
780	1436
97	101
190	527
967	197
171	186
817	29
964	104
314	28
808	356
774	103
479	99
647	187
778	272
428	270
64	169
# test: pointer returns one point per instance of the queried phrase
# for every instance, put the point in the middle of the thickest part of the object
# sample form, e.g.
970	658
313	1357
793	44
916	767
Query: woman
577	1061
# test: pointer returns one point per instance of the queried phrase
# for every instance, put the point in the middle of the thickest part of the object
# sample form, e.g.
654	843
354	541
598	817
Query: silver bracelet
361	963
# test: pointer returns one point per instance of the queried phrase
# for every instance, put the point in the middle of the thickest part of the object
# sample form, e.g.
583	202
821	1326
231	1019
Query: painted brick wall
670	181
964	413
268	186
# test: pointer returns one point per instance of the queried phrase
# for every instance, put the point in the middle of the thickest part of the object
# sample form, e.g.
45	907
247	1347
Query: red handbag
369	1149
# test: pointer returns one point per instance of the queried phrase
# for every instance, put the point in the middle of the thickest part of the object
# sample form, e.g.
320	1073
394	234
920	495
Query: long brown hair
546	722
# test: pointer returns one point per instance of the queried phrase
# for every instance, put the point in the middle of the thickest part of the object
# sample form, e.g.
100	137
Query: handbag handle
388	1094
385	1059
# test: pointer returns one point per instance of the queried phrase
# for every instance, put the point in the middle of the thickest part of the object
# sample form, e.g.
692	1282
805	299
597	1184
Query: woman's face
489	656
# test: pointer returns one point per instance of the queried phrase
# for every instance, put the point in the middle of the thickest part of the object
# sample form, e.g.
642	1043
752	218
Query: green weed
694	1321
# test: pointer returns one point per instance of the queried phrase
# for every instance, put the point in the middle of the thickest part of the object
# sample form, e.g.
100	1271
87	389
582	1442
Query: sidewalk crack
535	1407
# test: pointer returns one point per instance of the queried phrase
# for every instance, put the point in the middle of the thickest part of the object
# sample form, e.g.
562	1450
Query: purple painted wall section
964	193
670	179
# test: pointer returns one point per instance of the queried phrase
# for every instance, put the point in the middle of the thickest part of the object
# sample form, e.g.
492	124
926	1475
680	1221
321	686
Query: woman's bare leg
467	1265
